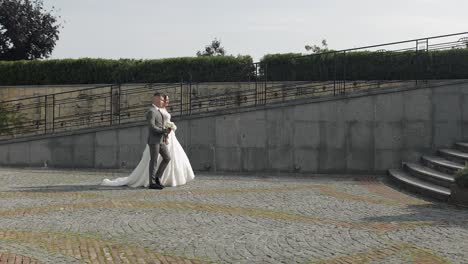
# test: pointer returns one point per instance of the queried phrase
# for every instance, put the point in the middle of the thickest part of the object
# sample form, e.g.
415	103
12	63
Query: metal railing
334	73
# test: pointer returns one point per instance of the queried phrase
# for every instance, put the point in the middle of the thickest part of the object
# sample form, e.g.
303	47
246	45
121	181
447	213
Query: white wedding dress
178	171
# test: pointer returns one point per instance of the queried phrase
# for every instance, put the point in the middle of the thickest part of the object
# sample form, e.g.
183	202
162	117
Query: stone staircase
433	176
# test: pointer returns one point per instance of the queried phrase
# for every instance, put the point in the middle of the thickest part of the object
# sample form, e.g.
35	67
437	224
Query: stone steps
441	164
433	176
462	146
430	175
414	184
454	155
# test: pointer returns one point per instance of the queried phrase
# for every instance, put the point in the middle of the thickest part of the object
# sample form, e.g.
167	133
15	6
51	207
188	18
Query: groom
156	135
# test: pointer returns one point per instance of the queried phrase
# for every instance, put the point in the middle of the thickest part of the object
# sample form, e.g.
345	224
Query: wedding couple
163	151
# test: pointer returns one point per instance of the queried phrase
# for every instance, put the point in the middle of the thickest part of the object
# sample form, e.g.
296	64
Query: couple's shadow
71	188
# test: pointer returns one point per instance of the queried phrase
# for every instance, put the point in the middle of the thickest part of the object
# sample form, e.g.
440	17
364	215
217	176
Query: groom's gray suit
156	136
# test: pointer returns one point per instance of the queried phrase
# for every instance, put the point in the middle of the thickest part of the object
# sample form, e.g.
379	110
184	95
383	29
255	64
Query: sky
154	29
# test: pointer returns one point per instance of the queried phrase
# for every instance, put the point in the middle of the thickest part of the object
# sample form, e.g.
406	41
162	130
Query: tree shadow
435	214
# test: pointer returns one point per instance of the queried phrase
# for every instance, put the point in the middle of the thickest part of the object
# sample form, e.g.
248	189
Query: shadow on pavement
71	188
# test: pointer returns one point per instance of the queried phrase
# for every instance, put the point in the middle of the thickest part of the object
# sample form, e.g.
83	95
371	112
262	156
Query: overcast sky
151	29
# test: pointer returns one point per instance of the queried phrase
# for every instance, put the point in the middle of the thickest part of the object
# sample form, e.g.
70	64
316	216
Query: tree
214	49
317	49
27	30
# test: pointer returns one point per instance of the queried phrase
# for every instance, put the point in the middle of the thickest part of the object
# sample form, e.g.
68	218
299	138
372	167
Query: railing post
415	61
256	80
45	114
190	97
111	105
344	72
181	98
119	102
334	73
53	113
265	84
115	103
426	61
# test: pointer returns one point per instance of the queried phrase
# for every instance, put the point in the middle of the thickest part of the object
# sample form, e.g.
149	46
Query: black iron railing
272	81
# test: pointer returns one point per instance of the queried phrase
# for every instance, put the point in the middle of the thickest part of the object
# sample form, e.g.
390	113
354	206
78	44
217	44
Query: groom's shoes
158	183
156	186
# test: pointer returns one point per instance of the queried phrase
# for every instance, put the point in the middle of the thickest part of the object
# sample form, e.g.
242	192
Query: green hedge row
357	65
367	65
86	71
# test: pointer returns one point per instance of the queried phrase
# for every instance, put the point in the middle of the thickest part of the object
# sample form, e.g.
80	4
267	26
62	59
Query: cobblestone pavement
55	216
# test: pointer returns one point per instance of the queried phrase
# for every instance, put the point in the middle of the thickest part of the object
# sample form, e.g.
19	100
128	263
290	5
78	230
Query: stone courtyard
64	216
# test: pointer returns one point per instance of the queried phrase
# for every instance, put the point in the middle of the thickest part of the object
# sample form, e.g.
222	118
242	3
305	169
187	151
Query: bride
178	171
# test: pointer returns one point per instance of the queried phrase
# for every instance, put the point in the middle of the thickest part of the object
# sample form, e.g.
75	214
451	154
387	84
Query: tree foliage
27	30
318	49
214	49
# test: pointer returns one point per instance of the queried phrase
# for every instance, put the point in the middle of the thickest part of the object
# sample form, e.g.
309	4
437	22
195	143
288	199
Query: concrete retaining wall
363	132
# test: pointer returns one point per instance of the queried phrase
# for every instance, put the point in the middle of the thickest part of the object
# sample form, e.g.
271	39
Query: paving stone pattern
58	216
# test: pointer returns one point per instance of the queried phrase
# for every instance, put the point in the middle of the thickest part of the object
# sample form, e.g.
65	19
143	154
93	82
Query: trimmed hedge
367	65
89	71
356	65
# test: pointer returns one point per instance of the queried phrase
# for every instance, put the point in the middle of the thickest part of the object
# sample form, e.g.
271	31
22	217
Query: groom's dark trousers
160	148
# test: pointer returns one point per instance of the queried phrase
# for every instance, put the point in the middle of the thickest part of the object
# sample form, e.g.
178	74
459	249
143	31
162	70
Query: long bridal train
178	171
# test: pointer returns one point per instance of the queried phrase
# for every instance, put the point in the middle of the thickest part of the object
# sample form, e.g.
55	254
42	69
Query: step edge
436	189
463	155
439	175
442	163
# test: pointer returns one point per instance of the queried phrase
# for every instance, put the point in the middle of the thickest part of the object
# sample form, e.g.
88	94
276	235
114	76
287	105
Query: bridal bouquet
170	125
